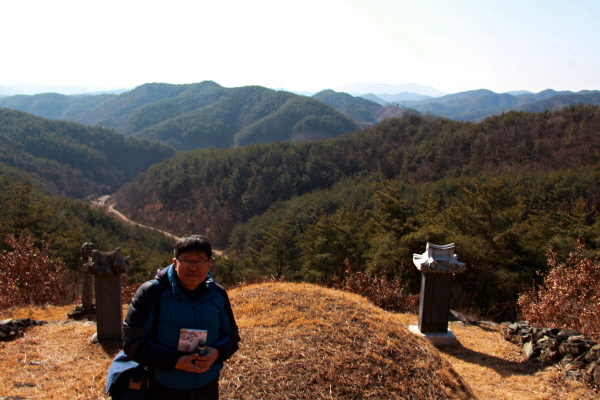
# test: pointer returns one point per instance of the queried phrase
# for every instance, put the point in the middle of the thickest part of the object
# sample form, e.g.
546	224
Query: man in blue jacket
189	299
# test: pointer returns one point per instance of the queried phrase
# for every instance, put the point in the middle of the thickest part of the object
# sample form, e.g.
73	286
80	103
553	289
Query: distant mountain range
358	89
30	89
475	105
359	108
385	99
206	114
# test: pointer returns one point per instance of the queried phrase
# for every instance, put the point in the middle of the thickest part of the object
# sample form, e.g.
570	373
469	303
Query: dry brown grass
303	341
496	369
298	341
54	361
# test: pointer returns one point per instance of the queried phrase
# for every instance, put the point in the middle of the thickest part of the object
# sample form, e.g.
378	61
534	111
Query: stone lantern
107	269
437	265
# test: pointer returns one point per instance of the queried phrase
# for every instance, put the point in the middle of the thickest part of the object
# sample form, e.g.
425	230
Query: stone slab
434	303
109	312
437	339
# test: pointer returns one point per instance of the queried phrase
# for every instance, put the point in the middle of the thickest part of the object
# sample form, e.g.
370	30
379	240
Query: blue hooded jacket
211	311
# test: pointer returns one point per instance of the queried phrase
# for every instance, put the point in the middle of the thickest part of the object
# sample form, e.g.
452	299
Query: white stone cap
438	258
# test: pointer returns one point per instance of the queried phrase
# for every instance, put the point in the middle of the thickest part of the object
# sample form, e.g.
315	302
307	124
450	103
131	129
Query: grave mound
304	341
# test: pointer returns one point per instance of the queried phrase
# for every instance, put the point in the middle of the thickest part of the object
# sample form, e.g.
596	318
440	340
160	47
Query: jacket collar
168	275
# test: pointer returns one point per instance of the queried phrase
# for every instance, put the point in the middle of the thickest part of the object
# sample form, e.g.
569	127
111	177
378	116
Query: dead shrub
390	295
129	289
569	296
28	274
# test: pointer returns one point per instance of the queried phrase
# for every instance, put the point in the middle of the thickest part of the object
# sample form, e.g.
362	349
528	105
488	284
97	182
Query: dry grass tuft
303	341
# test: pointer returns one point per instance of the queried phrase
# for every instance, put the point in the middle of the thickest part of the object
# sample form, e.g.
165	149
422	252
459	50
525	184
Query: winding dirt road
101	202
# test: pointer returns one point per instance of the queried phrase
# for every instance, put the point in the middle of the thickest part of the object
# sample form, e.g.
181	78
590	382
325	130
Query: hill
73	159
360	109
305	341
475	105
198	115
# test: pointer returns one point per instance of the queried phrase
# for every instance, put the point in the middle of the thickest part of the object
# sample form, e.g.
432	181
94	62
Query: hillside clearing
299	341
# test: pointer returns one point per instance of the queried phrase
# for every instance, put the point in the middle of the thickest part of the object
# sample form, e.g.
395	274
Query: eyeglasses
193	262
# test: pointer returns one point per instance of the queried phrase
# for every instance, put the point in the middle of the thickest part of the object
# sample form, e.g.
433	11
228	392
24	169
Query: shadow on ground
500	365
111	347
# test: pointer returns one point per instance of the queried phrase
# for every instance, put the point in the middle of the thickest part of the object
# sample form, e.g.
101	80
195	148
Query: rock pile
576	354
10	329
79	313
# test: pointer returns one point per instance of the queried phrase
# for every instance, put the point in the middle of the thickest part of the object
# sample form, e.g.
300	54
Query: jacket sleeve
136	344
228	342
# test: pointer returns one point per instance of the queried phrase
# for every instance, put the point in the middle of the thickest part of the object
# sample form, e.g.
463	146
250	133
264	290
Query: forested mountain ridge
73	159
211	191
561	100
240	116
114	114
205	114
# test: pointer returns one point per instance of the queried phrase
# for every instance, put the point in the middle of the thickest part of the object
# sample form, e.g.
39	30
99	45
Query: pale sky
308	45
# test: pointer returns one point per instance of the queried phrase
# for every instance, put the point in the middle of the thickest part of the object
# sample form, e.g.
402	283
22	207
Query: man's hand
206	361
196	364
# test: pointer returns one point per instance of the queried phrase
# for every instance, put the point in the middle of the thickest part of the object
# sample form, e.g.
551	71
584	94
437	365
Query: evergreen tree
332	243
278	256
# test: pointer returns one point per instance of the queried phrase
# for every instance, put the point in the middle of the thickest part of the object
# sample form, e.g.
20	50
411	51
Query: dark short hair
192	243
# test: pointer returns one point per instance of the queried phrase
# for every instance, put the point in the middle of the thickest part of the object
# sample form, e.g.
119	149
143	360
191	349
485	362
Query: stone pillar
88	279
107	269
109	306
438	265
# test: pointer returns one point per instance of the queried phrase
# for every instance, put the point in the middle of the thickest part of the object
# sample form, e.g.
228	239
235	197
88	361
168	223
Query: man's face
192	268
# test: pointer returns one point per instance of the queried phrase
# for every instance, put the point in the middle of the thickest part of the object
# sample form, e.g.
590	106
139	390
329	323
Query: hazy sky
452	45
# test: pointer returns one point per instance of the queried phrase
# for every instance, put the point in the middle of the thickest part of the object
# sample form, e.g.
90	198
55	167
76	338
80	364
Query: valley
299	210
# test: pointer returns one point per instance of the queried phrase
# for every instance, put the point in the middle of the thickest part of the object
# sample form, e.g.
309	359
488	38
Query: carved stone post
107	269
438	265
86	293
